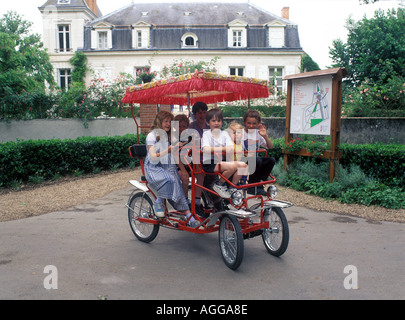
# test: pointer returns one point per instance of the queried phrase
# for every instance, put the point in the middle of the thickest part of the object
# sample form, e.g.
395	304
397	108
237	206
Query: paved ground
96	256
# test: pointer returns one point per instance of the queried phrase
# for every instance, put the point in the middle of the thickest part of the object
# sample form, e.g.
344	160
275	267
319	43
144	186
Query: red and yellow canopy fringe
207	87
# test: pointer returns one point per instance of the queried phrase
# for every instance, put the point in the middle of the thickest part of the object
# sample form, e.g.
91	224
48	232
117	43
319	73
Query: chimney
92	4
285	13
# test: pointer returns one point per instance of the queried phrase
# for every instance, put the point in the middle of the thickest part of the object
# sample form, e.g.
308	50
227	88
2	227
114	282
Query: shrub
30	160
353	185
384	162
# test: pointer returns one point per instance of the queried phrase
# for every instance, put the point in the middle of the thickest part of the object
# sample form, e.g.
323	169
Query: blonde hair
235	126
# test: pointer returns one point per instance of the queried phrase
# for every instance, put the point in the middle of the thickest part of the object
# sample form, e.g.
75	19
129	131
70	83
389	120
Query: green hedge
23	160
384	162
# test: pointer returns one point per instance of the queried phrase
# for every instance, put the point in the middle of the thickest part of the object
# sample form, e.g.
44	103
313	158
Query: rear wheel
231	241
141	206
277	236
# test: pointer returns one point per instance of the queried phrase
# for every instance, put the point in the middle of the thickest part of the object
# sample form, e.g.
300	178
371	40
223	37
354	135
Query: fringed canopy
187	89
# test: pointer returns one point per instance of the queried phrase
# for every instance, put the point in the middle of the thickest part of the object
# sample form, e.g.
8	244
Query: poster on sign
311	106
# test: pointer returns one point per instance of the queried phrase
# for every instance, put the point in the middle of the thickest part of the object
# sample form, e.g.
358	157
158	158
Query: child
183	121
184	134
235	130
255	136
214	142
160	168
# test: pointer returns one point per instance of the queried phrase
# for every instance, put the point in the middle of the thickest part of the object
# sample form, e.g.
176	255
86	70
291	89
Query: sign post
314	108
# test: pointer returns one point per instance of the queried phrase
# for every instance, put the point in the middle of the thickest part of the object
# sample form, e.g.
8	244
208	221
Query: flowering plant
313	148
372	99
145	75
178	68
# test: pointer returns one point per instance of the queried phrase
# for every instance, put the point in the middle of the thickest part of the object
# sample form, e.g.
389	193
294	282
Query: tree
308	64
23	60
24	64
375	48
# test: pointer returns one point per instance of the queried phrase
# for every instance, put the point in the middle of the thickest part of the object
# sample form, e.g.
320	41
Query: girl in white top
214	142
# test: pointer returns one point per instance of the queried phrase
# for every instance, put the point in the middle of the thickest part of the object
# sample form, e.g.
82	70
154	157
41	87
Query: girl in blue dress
161	169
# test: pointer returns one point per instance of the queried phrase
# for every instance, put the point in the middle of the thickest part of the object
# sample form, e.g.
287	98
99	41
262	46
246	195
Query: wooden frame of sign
314	107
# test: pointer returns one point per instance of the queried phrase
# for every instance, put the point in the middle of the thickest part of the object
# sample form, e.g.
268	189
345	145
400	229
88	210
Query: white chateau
249	40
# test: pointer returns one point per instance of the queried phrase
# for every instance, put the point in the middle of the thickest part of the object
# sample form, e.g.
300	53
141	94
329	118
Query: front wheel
277	236
231	241
141	206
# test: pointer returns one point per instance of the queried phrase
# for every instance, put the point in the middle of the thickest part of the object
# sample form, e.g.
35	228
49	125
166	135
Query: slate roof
74	4
199	14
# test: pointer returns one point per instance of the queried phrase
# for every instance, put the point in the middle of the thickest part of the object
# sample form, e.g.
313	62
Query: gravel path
69	192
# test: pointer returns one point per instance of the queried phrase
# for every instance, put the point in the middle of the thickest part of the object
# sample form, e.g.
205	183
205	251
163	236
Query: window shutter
145	39
230	38
244	38
109	39
276	37
94	39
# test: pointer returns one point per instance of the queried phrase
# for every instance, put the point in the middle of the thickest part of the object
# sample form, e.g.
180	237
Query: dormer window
141	35
276	34
237	39
63	1
189	40
187	13
237	34
101	37
102	40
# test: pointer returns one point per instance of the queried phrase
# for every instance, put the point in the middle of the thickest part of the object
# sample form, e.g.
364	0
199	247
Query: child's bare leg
227	170
241	170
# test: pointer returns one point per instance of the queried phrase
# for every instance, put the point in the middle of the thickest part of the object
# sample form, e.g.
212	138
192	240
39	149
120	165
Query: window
102	40
64	38
139	70
236	71
64	79
237	34
63	1
139	39
101	37
189	40
276	78
237	39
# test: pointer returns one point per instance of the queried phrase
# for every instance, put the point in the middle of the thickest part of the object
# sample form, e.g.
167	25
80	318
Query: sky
319	21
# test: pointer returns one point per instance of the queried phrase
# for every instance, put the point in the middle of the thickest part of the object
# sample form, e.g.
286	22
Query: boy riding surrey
214	144
255	136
